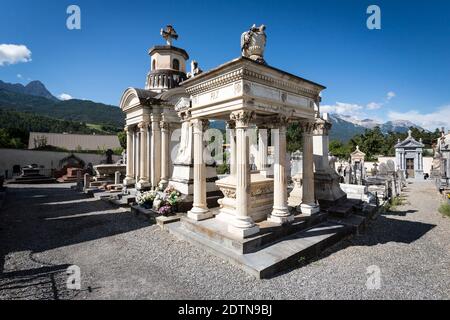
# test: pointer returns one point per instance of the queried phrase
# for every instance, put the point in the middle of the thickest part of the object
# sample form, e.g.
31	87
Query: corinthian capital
184	115
242	118
307	126
322	127
143	125
164	125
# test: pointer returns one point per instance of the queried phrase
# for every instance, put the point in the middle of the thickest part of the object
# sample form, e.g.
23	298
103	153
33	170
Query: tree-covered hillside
72	110
16	126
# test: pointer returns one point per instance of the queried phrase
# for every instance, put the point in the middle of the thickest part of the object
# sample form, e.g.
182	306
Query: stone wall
47	159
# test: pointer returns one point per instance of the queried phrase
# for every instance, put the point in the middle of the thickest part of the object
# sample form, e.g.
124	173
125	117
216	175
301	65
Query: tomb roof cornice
168	49
246	69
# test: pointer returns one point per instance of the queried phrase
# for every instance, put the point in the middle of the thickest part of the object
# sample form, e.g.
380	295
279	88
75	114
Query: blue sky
399	72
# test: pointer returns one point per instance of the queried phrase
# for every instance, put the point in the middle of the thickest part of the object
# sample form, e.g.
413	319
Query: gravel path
45	229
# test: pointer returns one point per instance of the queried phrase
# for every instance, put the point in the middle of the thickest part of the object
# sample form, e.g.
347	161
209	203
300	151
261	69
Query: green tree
294	138
340	149
122	135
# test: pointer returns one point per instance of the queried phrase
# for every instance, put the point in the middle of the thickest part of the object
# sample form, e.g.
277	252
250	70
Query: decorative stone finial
253	43
409	133
169	34
195	70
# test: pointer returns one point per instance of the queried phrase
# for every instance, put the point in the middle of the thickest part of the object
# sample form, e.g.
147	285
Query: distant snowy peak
366	123
347	121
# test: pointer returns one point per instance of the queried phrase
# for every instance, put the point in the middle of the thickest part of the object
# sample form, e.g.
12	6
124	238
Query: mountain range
345	127
35	98
34	88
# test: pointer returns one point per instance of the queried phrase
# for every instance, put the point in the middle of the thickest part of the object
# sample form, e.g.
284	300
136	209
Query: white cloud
19	76
374	106
341	108
390	95
430	121
65	96
12	54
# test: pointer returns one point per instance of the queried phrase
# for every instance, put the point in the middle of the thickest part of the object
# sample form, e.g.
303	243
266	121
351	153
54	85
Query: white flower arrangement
147	197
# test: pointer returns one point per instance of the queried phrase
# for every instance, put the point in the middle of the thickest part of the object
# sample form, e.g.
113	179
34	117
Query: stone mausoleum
409	157
247	93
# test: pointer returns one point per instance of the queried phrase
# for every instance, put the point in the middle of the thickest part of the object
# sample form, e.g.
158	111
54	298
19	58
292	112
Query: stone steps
343	209
284	254
269	232
123	200
33	180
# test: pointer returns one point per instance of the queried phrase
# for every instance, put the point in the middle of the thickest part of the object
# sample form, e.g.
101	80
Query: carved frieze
254	76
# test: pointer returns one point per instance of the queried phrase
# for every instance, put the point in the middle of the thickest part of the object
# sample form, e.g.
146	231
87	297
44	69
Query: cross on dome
169	34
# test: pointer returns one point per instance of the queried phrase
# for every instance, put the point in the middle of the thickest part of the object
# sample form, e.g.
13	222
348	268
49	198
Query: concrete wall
47	159
75	141
427	162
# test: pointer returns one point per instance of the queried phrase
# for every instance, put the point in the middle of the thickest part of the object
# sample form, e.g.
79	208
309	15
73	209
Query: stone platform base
269	252
42	180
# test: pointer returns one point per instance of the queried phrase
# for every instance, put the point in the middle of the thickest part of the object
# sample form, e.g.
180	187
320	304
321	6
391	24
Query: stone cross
169	34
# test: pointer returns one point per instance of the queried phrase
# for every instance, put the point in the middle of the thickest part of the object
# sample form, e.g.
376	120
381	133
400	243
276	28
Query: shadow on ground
383	230
40	219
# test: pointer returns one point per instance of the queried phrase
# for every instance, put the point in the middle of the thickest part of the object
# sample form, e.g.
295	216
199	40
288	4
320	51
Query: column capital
322	127
185	115
307	126
242	118
164	125
143	125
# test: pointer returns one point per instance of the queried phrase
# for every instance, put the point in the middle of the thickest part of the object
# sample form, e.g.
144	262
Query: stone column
242	224
200	209
143	161
262	150
155	161
136	154
402	160
280	213
309	205
165	156
129	179
420	161
232	136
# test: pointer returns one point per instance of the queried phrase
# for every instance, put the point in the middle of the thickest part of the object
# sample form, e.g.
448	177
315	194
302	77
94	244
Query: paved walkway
45	229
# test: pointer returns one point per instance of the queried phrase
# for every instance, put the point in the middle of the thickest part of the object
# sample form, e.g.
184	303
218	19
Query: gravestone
390	166
87	180
31	175
383	170
117	177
